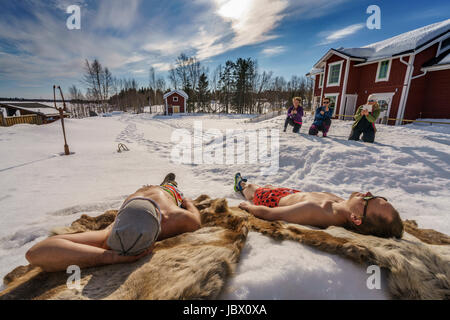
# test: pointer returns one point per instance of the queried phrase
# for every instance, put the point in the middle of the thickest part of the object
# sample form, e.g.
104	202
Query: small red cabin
409	74
175	102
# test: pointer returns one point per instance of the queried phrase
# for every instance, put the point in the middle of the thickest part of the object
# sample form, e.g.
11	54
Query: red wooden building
409	74
175	102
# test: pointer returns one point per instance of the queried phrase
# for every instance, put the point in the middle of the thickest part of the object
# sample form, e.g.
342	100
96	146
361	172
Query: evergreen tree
203	92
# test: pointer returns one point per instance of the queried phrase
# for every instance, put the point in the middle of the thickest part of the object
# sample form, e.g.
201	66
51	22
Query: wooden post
61	115
2	120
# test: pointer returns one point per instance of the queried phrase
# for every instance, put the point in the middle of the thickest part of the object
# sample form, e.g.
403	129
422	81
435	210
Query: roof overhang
436	67
314	72
180	92
338	53
381	59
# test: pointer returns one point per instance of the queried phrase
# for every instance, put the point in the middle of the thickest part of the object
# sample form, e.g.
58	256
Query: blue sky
285	36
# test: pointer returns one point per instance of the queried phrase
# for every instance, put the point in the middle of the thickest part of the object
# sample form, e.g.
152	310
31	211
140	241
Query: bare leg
249	190
83	249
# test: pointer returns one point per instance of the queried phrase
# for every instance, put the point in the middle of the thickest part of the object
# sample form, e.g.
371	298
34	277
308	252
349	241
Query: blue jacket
298	116
319	118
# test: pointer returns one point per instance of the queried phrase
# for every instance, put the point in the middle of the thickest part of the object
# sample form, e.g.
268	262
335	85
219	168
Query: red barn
175	102
409	74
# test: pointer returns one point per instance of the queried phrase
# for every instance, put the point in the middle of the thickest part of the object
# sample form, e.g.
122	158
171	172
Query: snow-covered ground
40	189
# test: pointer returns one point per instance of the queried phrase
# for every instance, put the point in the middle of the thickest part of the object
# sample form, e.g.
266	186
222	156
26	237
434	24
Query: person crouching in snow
322	119
365	119
294	116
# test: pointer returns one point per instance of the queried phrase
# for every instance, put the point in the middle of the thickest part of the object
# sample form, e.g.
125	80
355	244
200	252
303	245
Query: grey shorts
136	228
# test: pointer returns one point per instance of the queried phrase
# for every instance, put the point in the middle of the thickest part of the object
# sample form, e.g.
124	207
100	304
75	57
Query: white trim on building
330	65
388	72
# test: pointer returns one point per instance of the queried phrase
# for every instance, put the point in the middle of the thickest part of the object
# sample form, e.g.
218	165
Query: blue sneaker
237	182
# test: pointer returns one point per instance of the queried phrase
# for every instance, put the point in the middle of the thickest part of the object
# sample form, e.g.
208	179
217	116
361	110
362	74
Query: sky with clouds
287	37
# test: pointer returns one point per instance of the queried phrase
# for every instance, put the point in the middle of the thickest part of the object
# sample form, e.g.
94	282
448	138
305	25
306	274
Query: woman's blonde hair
298	99
373	97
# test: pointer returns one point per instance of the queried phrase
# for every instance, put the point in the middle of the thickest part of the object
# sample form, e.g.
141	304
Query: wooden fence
28	119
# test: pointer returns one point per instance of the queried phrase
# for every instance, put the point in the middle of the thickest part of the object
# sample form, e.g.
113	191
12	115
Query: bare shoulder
178	220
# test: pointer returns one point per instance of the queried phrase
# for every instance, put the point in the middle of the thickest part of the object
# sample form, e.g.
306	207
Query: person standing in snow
322	119
295	115
151	214
365	119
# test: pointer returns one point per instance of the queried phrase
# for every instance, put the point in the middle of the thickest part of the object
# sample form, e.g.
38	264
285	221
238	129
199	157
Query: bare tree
77	98
152	86
173	78
262	84
106	85
93	79
161	85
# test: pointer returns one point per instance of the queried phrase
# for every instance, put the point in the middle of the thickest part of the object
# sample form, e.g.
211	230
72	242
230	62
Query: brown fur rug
197	265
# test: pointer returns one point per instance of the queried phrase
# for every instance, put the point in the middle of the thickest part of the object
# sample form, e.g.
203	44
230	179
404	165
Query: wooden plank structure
28	113
28	119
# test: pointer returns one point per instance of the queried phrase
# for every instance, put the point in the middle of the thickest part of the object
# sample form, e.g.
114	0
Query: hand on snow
245	206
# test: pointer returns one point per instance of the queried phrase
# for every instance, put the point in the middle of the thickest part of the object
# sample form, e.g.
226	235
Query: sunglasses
372	101
367	199
326	102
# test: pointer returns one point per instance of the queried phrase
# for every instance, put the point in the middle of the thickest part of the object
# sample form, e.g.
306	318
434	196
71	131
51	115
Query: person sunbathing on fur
151	213
362	212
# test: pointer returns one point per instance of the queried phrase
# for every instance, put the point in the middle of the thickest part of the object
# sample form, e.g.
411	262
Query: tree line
233	87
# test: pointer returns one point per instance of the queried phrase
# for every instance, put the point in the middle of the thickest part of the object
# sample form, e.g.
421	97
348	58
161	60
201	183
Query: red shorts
271	197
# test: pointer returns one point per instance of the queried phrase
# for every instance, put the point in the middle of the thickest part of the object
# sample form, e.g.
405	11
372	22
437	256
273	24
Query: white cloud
117	14
252	20
135	58
140	71
64	4
120	34
162	66
332	36
272	51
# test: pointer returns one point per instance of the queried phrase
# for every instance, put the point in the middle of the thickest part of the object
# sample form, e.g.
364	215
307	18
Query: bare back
172	215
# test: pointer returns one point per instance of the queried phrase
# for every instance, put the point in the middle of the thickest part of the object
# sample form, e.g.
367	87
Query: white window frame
440	49
175	99
388	74
341	63
321	75
328	95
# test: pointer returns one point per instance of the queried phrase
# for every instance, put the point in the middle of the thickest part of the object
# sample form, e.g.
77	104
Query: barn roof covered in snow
404	43
180	92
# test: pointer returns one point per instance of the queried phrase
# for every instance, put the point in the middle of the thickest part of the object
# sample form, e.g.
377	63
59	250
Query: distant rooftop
32	107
